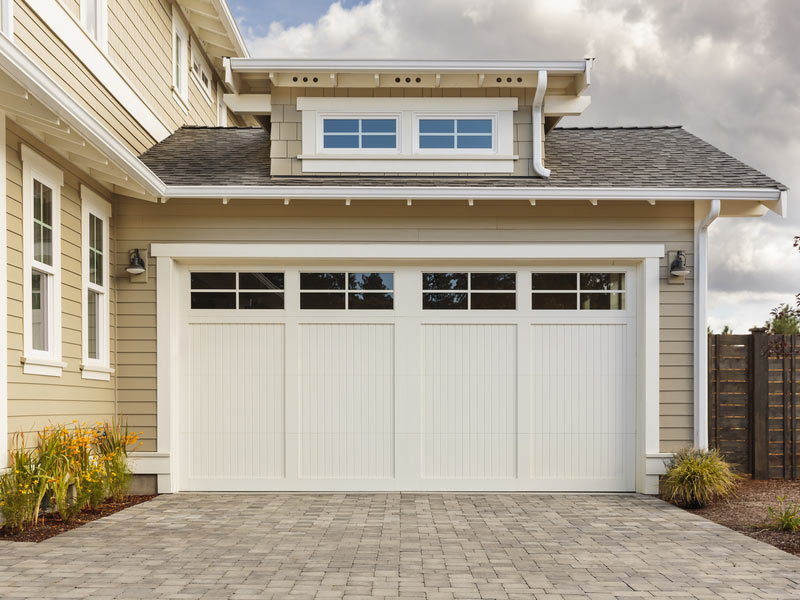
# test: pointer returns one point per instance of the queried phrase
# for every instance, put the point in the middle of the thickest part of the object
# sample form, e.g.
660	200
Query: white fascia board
64	25
311	192
409	251
31	77
258	65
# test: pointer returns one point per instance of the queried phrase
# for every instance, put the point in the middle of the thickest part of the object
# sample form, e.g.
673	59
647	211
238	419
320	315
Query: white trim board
411	251
63	24
3	299
366	192
389	65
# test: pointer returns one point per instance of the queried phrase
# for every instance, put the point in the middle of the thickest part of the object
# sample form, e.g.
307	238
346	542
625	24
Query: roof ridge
601	127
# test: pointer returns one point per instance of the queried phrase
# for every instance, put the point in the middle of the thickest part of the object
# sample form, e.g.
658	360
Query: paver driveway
432	546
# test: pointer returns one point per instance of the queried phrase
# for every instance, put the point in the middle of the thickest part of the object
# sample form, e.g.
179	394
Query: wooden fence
753	402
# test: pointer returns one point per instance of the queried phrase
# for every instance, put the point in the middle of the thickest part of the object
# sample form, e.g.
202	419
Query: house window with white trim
95	215
41	212
201	74
407	135
94	20
180	59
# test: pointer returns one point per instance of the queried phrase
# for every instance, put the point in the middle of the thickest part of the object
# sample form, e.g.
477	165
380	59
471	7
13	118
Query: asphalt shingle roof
661	157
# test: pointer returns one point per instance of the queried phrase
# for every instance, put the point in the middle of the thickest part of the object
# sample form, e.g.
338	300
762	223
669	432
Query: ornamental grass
70	469
695	477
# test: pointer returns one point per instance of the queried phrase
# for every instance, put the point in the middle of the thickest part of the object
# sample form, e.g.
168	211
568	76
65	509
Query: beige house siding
140	45
72	76
33	400
139	224
286	133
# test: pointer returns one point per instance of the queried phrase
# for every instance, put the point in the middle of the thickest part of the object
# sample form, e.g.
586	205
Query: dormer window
407	135
359	134
469	133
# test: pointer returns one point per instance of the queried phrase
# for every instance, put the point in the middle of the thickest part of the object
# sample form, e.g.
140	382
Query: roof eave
258	65
773	198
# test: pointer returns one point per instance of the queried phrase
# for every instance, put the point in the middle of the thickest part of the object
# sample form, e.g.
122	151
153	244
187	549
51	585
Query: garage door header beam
410	251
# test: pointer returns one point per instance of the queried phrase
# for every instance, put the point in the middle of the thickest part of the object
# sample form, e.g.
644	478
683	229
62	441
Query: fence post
759	389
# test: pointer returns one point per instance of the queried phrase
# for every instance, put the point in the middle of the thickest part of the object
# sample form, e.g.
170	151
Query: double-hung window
180	60
359	134
95	215
94	19
461	134
41	215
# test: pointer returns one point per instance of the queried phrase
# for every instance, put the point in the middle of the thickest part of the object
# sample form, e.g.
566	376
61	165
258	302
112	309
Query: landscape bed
51	524
747	512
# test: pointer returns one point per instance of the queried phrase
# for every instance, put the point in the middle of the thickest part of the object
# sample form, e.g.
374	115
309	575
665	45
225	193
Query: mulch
747	512
51	524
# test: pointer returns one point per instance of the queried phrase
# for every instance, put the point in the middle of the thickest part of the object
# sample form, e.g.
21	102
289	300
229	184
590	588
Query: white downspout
700	320
538	128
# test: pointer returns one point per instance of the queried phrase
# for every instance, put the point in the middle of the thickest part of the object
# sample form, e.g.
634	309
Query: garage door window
347	291
244	291
578	291
469	291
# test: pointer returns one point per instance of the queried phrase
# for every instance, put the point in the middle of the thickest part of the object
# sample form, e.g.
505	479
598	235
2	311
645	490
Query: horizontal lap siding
140	45
35	401
139	224
58	61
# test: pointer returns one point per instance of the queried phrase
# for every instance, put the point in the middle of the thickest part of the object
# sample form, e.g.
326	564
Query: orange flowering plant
73	468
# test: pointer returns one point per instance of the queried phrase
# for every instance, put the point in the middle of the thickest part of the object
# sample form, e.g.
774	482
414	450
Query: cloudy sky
725	69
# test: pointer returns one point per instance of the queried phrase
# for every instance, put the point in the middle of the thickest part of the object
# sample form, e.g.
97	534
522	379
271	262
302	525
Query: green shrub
695	477
786	516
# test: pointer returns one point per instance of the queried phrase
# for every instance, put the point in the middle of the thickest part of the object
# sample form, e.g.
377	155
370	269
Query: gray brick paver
417	546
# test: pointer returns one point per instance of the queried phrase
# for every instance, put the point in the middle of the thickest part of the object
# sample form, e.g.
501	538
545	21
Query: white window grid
469	289
322	117
577	291
347	290
441	116
237	289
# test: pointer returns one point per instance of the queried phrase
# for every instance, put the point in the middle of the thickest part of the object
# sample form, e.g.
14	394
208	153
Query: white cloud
726	70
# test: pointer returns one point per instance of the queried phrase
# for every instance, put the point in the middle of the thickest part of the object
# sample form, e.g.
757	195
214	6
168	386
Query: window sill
184	104
451	163
96	372
203	91
42	366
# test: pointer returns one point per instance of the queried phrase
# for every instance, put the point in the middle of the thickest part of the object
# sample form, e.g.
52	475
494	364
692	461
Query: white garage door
408	378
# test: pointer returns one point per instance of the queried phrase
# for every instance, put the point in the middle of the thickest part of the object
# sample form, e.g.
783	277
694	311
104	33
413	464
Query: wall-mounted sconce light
677	267
136	265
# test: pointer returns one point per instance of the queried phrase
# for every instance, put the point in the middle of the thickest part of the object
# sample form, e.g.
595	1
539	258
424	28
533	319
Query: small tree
784	320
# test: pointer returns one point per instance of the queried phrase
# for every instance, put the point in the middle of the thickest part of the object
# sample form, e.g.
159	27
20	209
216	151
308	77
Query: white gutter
700	335
573	67
366	192
538	126
30	76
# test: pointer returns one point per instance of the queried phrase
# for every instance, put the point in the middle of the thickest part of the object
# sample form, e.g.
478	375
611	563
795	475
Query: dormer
457	117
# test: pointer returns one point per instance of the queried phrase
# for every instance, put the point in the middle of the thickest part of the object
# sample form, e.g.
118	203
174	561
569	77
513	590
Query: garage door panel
346	401
583	405
235	403
469	394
